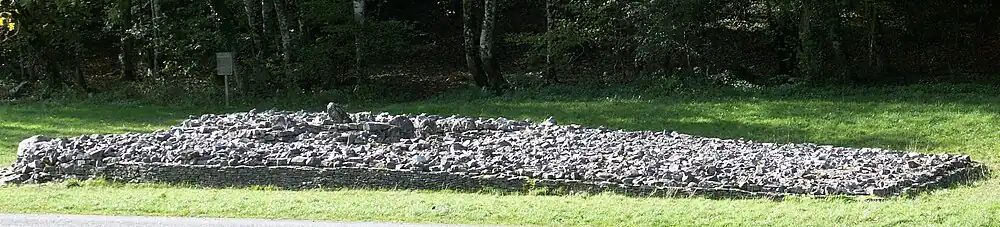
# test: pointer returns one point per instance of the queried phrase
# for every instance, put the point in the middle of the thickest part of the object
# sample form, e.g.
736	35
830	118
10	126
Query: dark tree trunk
157	55
78	78
784	38
487	44
834	25
270	34
55	80
841	69
549	73
253	25
287	41
810	53
359	17
261	75
267	9
876	56
470	33
126	58
821	52
295	21
302	36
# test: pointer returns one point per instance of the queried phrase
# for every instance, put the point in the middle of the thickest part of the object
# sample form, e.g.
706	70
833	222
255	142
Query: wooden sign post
224	67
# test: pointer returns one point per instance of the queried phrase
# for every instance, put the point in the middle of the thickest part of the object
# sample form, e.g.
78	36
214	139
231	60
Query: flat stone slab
497	149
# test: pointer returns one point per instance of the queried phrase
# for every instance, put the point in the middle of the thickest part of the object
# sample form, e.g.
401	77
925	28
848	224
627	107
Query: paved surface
59	220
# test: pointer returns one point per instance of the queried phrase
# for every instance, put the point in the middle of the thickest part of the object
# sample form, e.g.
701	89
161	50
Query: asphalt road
59	220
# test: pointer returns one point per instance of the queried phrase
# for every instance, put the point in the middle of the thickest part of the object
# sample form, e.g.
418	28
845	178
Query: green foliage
566	43
72	182
682	44
327	61
523	81
264	188
388	42
581	29
384	41
673	38
8	20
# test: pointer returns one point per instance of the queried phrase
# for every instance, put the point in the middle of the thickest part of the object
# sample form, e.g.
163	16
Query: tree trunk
549	73
810	53
54	77
126	58
833	24
284	26
78	78
841	69
267	8
876	55
303	35
253	25
261	76
487	47
470	33
822	53
155	70
359	17
270	34
872	21
784	38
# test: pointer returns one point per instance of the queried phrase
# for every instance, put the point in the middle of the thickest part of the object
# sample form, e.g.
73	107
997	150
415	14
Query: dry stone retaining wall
305	177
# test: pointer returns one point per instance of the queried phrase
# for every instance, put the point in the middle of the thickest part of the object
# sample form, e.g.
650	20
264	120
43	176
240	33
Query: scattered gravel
497	147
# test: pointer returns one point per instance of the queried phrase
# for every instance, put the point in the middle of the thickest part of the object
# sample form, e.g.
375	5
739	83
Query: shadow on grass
964	178
80	114
764	121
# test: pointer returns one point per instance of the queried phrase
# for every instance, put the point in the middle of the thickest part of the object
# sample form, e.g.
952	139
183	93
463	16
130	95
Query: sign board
224	63
224	67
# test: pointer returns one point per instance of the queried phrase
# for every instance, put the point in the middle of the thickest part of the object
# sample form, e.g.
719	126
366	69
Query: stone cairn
494	147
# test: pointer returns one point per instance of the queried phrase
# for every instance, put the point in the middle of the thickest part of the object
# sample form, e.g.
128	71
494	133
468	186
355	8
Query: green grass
930	119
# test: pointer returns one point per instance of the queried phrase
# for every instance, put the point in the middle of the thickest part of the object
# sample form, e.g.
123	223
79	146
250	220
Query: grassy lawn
930	119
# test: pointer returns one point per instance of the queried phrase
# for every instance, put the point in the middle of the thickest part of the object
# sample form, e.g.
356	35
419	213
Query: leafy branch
8	23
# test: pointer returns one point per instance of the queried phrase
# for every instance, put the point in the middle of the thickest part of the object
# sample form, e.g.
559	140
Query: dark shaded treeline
292	45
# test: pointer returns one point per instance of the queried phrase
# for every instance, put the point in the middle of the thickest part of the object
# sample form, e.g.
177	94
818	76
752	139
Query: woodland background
161	49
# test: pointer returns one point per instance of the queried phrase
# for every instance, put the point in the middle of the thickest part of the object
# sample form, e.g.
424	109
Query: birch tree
487	47
470	32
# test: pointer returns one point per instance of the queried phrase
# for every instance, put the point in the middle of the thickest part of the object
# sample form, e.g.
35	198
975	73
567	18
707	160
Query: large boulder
405	126
549	122
26	146
337	113
424	126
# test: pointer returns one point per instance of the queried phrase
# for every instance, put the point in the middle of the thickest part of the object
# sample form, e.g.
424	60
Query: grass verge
931	119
